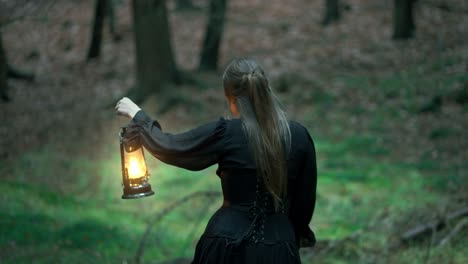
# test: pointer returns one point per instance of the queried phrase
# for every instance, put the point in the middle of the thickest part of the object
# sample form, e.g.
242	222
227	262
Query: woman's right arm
195	149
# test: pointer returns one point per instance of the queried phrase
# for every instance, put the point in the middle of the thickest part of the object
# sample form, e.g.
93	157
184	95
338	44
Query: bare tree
3	73
103	9
110	14
96	37
213	34
403	21
332	12
185	5
154	55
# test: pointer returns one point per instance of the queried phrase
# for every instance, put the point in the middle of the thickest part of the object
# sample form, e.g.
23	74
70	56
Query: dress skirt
235	236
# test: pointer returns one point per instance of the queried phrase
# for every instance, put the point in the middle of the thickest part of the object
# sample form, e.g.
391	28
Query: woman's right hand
126	107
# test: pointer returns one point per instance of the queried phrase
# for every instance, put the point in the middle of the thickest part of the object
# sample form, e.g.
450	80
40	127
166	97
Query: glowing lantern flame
135	169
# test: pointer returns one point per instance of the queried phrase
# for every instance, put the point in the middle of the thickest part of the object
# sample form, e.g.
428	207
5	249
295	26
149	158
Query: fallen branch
424	230
324	246
16	73
163	213
454	232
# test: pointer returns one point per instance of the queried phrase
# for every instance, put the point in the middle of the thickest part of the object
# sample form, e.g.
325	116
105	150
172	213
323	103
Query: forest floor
389	119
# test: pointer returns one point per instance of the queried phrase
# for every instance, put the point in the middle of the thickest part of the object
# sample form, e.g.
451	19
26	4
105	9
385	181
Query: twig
164	212
324	246
195	226
429	244
423	230
454	231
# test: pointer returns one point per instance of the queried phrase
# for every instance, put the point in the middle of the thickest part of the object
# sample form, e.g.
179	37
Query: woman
266	164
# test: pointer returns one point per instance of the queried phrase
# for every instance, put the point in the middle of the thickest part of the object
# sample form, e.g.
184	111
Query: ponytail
264	122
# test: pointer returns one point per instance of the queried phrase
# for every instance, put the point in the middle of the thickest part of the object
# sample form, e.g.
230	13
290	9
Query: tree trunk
96	38
185	5
155	65
403	22
112	20
213	34
3	73
332	12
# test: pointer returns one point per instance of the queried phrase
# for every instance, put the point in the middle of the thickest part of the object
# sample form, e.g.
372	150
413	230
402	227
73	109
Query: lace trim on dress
262	206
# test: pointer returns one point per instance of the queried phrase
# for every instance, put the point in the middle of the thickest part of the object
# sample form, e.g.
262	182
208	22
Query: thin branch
454	232
429	244
196	225
324	246
163	213
424	230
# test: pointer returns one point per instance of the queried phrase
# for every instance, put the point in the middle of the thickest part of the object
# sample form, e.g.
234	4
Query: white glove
126	107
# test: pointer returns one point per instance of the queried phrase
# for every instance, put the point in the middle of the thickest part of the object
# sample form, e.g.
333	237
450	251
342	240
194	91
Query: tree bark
3	73
96	37
332	12
112	20
155	65
185	5
403	21
213	34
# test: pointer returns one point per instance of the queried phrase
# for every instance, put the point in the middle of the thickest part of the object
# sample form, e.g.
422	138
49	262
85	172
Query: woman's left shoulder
295	125
300	131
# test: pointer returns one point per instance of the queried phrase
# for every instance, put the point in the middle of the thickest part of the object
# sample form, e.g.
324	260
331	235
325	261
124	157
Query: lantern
134	172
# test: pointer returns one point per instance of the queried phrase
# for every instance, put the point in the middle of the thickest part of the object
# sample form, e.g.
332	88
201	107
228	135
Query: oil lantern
134	172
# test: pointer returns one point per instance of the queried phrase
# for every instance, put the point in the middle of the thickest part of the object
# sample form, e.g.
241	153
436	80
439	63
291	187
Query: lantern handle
122	132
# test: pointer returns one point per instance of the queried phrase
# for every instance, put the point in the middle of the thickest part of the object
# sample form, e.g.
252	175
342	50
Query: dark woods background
381	85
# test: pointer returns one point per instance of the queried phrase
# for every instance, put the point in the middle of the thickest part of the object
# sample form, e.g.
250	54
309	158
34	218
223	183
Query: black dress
246	229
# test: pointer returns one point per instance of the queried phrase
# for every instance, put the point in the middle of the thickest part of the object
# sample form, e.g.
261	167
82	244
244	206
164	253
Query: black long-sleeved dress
246	229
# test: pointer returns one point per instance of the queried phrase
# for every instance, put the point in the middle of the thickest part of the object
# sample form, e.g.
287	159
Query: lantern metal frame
133	188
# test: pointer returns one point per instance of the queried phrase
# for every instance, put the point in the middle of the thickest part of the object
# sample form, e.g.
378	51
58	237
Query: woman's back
237	168
250	229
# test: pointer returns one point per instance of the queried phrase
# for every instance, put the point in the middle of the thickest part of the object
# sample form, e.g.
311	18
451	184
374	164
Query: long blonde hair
264	122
